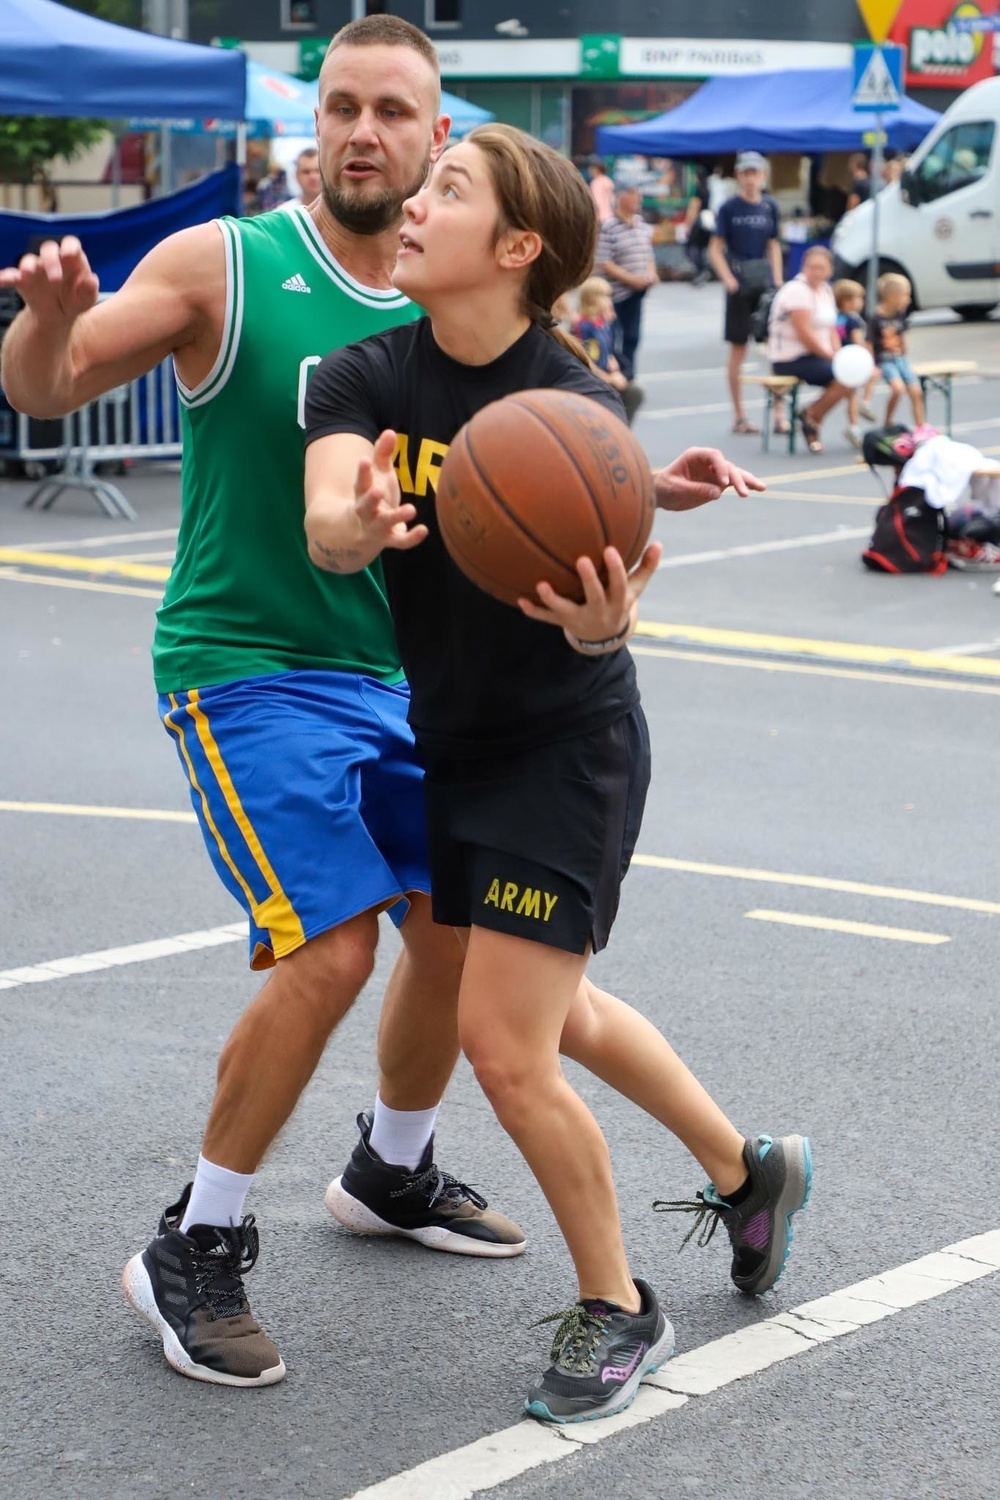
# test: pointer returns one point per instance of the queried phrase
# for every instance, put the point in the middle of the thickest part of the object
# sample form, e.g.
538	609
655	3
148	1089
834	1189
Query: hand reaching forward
698	476
57	284
607	617
382	519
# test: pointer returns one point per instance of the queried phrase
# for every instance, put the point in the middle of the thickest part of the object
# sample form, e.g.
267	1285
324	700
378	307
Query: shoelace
444	1188
576	1338
218	1277
709	1216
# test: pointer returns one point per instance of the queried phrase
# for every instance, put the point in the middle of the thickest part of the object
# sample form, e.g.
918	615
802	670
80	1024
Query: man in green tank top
281	685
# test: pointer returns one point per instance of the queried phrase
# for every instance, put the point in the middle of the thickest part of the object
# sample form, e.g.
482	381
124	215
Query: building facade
560	68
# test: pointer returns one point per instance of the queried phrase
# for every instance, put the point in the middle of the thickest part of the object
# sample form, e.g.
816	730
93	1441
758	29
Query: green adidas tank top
243	598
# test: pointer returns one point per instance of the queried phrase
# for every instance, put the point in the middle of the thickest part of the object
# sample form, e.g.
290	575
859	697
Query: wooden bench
937	375
775	386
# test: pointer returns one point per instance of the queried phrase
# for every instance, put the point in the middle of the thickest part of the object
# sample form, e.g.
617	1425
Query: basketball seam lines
572	457
511	515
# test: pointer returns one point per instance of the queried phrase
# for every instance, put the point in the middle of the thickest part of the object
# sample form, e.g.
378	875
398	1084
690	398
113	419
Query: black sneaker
759	1228
600	1354
427	1205
190	1287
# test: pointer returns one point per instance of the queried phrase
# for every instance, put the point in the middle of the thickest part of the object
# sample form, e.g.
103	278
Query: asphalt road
866	785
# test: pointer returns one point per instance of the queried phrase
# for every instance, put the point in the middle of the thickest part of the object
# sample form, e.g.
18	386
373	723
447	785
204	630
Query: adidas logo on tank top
295	283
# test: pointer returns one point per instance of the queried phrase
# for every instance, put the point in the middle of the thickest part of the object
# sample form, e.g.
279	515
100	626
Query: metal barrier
136	421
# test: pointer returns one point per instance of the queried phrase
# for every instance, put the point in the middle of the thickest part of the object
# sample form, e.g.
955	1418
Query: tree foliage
29	142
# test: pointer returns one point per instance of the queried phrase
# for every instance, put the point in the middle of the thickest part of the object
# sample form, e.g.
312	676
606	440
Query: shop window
960	158
438	13
298	15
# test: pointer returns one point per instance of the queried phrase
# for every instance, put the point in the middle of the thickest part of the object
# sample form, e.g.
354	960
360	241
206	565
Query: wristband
596	648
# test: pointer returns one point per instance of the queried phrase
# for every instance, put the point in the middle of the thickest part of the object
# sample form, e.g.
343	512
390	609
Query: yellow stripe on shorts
276	914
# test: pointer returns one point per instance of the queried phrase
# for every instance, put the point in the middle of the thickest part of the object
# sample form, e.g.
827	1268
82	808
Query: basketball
535	481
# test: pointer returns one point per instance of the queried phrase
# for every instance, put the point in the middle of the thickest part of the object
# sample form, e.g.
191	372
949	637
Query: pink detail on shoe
612	1372
755	1233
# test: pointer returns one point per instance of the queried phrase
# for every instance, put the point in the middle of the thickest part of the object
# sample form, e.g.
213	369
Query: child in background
887	332
594	327
850	299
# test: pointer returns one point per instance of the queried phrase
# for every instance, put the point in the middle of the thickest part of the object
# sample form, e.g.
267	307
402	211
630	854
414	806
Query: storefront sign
515	59
687	57
939	53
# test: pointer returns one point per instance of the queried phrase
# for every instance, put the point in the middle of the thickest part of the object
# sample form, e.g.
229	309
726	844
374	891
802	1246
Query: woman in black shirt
535	746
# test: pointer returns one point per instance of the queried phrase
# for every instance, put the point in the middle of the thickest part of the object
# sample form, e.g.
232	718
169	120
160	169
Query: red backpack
909	535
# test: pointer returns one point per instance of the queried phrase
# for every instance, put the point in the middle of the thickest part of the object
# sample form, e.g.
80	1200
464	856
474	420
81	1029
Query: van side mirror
909	188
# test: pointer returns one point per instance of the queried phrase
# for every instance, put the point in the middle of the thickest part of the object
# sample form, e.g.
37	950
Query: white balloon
852	365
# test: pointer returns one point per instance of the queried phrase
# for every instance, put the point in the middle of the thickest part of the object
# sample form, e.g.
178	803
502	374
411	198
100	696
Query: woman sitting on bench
802	338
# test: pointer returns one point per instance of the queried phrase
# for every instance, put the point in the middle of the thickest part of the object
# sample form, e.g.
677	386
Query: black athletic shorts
537	843
740	308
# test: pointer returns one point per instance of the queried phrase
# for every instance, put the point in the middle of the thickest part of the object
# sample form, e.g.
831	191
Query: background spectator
625	257
595	329
272	189
307	179
802	338
602	190
700	222
860	189
887	330
745	254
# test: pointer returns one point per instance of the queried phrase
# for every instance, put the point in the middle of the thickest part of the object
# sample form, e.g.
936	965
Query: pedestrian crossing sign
878	78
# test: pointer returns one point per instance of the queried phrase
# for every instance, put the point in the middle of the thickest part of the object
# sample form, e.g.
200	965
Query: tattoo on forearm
337	559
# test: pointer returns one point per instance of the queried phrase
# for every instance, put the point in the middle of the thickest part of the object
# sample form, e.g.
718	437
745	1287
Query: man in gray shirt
625	258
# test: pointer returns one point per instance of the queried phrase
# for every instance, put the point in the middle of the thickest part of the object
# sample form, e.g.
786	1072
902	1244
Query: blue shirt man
745	253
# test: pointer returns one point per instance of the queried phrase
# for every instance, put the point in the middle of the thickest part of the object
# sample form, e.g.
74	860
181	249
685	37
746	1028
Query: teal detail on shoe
807	1153
766	1142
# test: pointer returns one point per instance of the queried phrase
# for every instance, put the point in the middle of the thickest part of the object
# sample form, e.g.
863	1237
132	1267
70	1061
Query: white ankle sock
400	1136
216	1196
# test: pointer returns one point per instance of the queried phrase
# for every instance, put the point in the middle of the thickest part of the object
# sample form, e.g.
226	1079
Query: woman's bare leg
619	1046
515	997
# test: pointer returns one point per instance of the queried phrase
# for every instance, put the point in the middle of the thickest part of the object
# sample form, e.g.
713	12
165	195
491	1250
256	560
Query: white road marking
856	929
111	958
693	411
502	1456
755	549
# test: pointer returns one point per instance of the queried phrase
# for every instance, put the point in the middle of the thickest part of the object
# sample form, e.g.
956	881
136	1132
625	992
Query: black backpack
909	535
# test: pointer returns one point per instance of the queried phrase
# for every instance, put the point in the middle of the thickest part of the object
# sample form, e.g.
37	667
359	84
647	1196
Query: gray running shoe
600	1354
759	1228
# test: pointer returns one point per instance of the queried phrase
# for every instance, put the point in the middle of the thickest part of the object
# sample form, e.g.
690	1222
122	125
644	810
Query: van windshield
959	157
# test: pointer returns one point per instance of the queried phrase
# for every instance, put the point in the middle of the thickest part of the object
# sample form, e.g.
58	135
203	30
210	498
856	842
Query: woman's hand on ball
383	520
608	614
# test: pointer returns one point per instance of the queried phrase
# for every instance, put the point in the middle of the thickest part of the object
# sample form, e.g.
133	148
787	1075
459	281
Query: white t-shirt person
783	342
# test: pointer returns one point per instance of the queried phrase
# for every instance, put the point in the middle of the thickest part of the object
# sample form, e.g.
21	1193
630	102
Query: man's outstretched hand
698	476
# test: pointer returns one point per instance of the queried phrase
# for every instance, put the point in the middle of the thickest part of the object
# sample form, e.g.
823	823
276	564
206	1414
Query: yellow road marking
857	467
804	669
747	640
11	575
66	563
818	883
871	503
148	814
859	929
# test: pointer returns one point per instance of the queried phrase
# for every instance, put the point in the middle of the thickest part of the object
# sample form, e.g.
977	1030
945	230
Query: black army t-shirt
483	677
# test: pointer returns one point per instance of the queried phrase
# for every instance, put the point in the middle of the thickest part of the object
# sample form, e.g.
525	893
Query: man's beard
373	212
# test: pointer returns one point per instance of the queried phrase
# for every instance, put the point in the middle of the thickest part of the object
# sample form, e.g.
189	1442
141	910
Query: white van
940	224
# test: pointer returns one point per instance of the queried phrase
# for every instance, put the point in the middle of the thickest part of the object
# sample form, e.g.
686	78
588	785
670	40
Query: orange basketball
535	481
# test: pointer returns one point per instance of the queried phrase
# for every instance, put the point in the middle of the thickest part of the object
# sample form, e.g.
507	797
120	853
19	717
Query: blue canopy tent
56	61
808	111
279	104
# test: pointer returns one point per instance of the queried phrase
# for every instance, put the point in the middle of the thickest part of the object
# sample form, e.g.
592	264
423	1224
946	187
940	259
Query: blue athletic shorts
309	796
899	367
